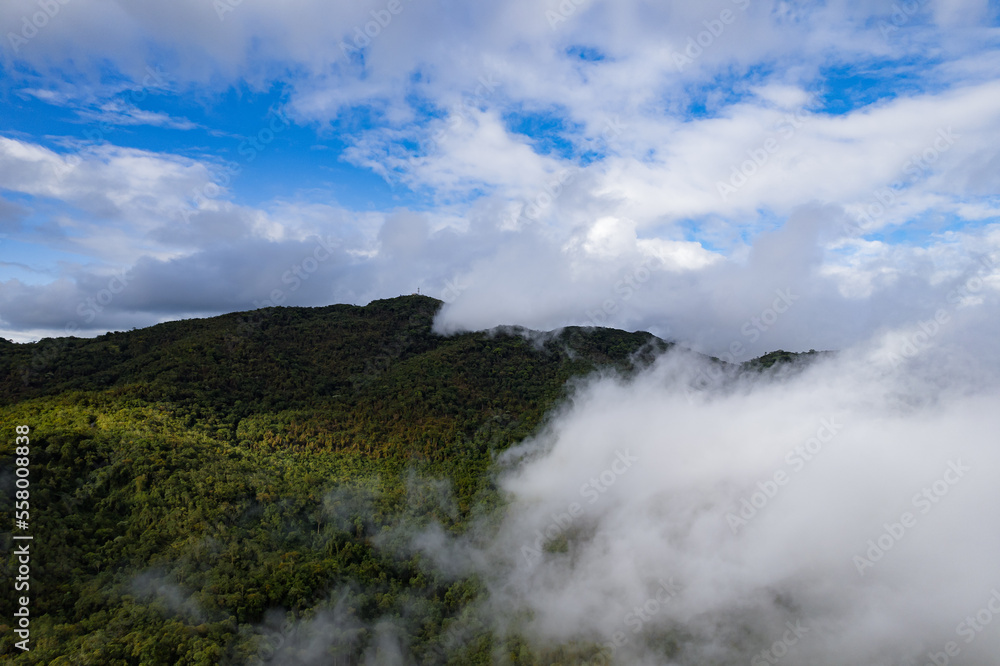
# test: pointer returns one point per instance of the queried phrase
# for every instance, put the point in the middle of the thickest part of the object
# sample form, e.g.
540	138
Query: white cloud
848	500
538	238
118	113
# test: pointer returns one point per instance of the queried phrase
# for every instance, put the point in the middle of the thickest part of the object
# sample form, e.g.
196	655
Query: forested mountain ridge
215	490
285	356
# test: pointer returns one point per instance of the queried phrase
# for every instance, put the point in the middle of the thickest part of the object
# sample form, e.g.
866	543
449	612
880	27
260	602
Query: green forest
232	490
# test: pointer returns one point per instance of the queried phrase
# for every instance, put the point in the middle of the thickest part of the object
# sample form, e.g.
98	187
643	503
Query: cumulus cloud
665	166
793	288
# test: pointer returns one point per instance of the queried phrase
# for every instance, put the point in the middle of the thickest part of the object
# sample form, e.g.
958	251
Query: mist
829	512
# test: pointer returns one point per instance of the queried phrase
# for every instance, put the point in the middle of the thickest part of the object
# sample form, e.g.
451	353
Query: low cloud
838	514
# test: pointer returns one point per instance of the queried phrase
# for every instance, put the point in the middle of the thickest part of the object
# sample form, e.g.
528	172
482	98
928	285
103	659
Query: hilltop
193	478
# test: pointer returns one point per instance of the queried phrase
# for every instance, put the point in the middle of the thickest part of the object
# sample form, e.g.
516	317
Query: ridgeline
229	490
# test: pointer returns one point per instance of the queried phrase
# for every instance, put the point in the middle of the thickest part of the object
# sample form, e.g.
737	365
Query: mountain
239	489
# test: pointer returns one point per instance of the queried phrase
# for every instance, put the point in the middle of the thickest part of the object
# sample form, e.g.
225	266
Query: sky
737	175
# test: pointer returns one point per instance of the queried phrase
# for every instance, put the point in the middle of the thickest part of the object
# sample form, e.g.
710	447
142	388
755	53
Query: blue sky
515	159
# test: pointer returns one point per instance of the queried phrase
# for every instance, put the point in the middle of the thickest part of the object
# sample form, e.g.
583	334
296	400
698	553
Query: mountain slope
243	488
190	478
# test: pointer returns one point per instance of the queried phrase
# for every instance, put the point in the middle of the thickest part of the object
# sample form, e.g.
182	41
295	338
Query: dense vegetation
784	358
240	489
199	484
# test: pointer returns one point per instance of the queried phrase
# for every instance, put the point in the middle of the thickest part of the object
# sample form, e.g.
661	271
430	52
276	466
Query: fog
834	512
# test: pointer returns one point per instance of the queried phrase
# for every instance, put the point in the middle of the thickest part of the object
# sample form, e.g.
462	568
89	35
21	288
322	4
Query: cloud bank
829	514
